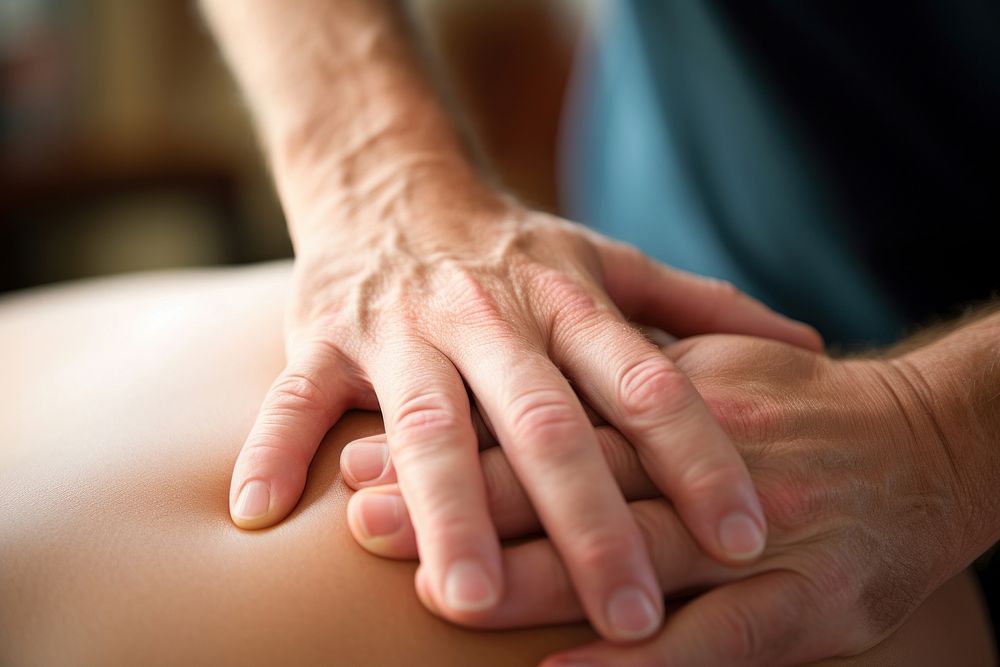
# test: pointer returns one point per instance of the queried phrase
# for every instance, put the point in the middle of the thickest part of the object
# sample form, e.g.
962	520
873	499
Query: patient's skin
123	404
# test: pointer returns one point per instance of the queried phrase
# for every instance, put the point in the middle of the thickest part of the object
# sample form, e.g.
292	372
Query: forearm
351	124
956	379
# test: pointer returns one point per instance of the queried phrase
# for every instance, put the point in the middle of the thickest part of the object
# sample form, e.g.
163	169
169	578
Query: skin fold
123	405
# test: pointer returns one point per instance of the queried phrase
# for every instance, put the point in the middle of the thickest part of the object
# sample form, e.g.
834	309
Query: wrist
412	190
342	144
947	431
921	472
419	205
322	165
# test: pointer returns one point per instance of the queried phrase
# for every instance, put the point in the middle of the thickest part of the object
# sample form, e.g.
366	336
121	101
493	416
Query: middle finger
552	448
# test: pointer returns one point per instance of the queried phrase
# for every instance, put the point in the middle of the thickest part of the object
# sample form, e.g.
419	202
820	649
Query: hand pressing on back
525	313
868	512
418	284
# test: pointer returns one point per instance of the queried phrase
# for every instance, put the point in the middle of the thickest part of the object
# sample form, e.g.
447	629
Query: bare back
124	403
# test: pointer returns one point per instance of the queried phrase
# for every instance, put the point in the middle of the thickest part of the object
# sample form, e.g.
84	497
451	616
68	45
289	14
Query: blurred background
124	144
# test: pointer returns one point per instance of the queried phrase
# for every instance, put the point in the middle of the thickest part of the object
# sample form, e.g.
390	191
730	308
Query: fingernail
380	513
631	614
467	587
253	501
365	461
740	536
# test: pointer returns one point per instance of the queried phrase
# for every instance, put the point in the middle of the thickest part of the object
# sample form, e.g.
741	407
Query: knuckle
570	302
260	454
449	522
321	349
605	549
741	633
653	386
423	417
295	393
545	422
710	477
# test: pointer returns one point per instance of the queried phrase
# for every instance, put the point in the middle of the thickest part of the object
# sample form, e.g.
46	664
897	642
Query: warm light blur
125	145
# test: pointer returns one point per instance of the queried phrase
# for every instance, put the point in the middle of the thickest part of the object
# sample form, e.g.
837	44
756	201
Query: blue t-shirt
837	160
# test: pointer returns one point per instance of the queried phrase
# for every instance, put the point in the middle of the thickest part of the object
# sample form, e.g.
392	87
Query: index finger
309	395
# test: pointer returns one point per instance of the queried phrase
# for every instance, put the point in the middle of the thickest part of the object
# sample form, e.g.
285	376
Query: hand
863	507
409	316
